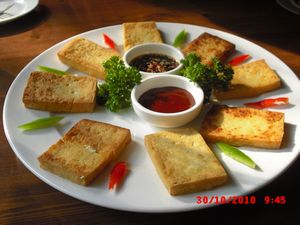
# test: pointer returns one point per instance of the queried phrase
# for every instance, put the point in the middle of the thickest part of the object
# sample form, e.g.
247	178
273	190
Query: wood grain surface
24	199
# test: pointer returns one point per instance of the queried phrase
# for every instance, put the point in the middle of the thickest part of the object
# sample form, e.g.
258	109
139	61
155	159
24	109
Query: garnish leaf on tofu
218	75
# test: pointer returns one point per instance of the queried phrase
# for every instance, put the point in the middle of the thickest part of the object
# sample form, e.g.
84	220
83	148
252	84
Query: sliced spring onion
236	154
41	123
179	39
52	70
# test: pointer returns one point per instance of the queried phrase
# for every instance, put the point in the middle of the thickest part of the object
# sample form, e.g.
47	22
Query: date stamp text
239	200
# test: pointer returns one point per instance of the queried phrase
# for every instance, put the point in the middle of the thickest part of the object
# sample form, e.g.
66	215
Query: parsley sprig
216	76
119	81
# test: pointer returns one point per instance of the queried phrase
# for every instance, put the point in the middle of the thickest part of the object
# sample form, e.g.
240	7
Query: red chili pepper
109	41
117	174
238	60
269	102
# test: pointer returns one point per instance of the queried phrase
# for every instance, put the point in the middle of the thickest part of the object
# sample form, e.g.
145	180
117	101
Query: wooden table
24	199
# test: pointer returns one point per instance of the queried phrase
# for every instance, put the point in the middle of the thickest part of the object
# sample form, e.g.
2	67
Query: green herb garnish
207	77
119	81
41	123
236	154
179	39
52	70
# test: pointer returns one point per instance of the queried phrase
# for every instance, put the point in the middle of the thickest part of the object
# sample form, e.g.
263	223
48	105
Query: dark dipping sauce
154	63
167	99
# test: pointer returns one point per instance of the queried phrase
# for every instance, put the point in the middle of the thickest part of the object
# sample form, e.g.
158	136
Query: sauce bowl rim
198	102
144	45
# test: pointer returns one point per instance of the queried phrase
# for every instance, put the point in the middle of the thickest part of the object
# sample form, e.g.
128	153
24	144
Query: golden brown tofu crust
207	46
82	153
243	126
184	162
86	56
250	80
68	93
136	33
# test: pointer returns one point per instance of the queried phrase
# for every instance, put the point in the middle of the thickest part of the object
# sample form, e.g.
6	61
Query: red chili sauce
167	99
154	63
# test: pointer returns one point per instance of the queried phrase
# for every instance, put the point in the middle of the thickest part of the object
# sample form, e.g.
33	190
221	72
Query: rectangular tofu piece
207	46
250	80
82	153
243	126
54	93
139	33
86	56
184	162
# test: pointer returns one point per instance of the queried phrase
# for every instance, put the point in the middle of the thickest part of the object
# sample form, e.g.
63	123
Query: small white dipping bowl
167	120
154	48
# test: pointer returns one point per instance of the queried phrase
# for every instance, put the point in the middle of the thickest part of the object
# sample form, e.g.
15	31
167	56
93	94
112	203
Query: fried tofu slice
207	46
250	80
53	93
184	162
82	153
139	33
86	56
243	126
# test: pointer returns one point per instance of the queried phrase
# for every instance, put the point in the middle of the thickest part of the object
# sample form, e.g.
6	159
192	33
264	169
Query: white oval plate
19	8
143	190
290	5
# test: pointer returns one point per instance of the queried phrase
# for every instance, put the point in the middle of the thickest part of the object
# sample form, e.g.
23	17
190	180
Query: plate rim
289	5
32	3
